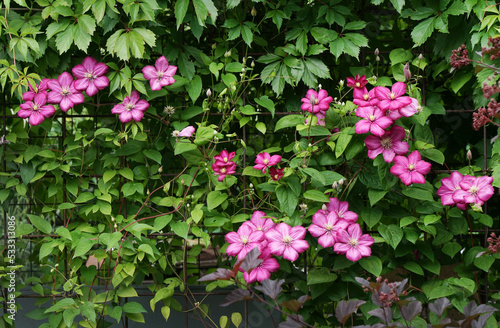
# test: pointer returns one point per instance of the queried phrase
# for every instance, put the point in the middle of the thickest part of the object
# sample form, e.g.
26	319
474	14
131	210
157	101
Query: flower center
226	159
287	240
65	91
266	161
328	227
386	143
353	242
358	84
372	118
393	95
89	76
244	240
35	108
276	177
473	190
129	107
411	167
366	96
160	75
314	101
223	170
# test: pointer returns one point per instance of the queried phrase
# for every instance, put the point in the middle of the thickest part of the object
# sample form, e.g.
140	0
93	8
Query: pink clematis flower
364	98
264	160
412	169
474	190
243	241
263	271
374	120
326	226
258	222
223	165
40	88
36	110
64	92
90	76
357	82
161	74
392	99
287	241
315	102
410	109
187	132
353	243
389	144
276	174
448	187
341	209
132	108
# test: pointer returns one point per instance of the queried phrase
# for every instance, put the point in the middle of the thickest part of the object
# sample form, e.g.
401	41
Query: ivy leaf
64	40
87	23
423	31
181	7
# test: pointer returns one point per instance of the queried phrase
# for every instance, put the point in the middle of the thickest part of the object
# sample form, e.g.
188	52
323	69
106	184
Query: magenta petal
88	63
142	105
417	178
101	82
399	89
100	69
362	127
353	254
91	90
171	70
36	118
316	231
406	178
24	113
137	115
81	84
79	71
161	64
298	232
47	110
300	245
290	254
155	84
234	249
149	72
326	240
125	117
65	79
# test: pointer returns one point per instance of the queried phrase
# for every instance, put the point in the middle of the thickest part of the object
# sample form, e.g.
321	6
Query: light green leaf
215	198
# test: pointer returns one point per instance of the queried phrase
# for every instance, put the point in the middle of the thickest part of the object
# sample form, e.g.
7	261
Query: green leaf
133	307
316	195
84	197
247	35
83	246
182	147
87	23
423	31
414	267
261	127
64	39
201	11
400	55
27	173
417	193
371	216
215	198
180	228
320	276
289	121
181	7
250	171
287	199
153	154
392	234
267	103
41	224
342	142
88	311
371	264
398	4
236	319
459	80
194	89
374	195
484	262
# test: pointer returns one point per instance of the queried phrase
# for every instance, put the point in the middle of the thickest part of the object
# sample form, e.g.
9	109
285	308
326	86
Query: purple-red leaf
220	274
293	321
345	309
271	288
236	296
410	311
251	260
384	314
439	306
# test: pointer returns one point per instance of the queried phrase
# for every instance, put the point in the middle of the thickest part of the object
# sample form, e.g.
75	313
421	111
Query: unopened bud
147	192
335	185
160	169
376	52
209	92
303	207
341	182
377	58
214	46
406	71
112	219
227	53
320	86
252	64
420	57
116	226
324	207
253	12
341	83
469	155
251	185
